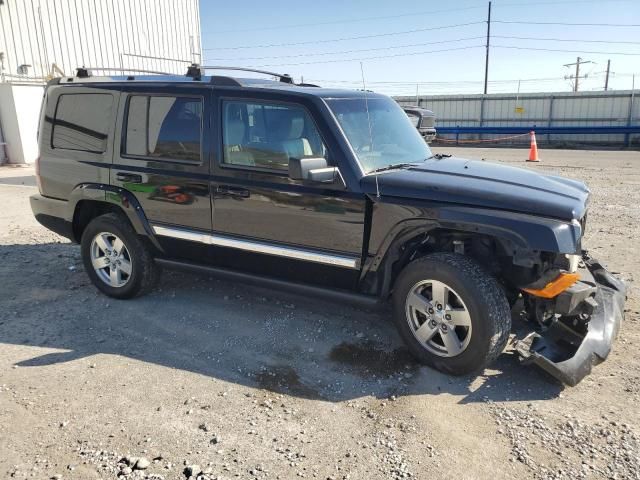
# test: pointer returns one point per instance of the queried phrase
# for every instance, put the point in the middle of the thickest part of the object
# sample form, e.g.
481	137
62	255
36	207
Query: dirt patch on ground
368	359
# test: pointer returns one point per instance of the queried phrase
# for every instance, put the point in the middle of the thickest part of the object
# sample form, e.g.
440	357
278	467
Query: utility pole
577	76
486	62
606	79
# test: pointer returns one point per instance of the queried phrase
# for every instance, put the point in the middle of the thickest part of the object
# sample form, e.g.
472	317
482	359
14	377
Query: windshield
382	136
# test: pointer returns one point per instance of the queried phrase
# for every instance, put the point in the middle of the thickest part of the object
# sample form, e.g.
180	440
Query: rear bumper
565	353
52	213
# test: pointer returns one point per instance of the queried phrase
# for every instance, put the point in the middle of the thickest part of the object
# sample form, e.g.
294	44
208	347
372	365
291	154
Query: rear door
163	158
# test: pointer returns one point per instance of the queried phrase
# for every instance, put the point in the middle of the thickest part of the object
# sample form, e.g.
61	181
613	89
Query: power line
527	4
410	45
380	57
313	42
566	40
351	20
349	51
451	82
566	51
370	58
402	15
528	22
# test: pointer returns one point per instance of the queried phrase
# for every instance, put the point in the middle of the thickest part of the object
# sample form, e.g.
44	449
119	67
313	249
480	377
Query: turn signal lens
555	287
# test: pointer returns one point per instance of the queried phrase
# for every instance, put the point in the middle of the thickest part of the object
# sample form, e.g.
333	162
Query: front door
265	221
163	161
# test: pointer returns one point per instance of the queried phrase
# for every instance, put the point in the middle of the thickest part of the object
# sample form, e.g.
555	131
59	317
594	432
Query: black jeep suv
328	193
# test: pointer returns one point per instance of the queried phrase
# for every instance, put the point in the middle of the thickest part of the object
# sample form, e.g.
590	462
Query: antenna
366	105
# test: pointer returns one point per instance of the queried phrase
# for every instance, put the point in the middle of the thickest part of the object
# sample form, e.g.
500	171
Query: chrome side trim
257	247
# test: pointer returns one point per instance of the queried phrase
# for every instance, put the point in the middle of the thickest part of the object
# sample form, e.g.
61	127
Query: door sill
342	296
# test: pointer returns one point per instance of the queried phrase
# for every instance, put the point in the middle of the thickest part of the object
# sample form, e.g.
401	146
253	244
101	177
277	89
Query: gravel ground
207	379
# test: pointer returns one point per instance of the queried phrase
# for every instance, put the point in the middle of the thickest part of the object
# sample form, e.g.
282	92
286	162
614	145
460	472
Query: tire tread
489	294
148	269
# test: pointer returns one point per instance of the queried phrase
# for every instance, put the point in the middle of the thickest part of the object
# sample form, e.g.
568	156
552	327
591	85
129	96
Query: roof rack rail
85	72
283	77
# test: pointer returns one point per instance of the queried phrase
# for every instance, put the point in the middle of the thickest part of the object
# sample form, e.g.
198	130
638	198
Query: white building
41	39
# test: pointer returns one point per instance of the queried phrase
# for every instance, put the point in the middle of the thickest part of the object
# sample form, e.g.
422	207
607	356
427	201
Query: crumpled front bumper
560	350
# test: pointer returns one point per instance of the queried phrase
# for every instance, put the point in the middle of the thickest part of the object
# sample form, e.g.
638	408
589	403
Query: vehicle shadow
229	331
27	180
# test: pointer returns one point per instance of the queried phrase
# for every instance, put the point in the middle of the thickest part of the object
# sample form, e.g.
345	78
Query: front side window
267	135
82	122
379	131
164	127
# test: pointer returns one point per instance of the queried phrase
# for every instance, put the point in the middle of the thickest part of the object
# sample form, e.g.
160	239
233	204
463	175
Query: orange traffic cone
533	151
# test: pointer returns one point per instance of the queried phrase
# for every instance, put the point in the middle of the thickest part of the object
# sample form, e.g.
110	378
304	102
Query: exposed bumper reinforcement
567	355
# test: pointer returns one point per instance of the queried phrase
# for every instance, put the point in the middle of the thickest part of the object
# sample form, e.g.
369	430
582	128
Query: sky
427	46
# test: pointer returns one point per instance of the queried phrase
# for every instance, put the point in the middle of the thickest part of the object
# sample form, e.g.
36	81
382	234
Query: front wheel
451	313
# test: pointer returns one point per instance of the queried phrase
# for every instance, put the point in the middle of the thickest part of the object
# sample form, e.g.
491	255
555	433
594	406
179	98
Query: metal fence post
550	118
627	137
481	115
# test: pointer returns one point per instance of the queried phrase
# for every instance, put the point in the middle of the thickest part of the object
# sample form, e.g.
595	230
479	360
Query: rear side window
82	122
164	127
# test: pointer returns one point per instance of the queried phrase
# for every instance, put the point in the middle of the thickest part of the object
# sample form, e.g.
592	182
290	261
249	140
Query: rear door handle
233	191
129	177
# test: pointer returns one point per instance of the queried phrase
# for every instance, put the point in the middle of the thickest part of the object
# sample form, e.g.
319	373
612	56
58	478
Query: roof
285	83
416	109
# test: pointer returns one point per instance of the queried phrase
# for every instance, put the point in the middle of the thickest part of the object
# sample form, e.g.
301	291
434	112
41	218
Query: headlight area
576	309
562	290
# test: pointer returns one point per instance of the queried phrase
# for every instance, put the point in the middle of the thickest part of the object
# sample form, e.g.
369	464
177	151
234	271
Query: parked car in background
424	120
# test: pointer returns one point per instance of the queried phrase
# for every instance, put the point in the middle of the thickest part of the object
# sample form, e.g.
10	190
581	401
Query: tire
138	273
482	332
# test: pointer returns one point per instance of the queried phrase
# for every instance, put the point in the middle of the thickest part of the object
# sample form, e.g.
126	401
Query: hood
484	184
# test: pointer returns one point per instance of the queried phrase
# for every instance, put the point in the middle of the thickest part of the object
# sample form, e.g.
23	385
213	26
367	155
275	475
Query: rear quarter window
82	122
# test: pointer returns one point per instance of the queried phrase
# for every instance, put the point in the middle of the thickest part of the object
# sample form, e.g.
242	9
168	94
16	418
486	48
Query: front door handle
128	177
232	191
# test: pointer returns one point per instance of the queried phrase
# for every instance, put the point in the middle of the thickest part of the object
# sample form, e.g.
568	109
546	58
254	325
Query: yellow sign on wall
519	109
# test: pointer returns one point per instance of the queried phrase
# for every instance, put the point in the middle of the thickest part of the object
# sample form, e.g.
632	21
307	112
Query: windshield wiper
393	167
439	156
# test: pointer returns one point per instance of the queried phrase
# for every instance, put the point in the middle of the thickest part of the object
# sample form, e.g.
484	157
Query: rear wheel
117	261
451	313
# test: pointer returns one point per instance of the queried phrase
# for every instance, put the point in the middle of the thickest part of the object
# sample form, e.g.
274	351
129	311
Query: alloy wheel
438	318
111	259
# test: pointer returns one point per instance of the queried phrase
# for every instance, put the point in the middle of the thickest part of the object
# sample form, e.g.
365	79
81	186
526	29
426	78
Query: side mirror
312	169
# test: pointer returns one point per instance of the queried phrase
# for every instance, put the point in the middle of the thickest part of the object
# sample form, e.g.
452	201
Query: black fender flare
520	234
121	198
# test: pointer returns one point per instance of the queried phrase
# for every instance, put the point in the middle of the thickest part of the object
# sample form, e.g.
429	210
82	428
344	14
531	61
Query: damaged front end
577	325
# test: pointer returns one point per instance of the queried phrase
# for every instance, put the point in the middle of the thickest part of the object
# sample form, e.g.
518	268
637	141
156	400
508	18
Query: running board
343	296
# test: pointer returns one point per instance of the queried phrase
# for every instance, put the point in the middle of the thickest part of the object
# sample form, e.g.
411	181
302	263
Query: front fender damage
569	353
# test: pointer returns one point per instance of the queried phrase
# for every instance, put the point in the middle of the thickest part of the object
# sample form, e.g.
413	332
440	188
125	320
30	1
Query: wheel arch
90	200
512	235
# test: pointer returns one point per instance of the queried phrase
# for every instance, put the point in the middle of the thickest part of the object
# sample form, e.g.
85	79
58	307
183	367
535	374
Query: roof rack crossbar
86	71
284	77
